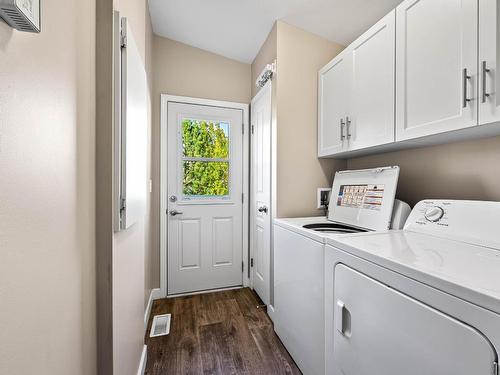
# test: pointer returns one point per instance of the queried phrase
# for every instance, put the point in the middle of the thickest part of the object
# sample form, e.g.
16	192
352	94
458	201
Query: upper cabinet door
436	66
333	97
371	115
489	50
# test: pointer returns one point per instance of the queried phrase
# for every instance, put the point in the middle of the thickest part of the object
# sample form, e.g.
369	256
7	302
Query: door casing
165	99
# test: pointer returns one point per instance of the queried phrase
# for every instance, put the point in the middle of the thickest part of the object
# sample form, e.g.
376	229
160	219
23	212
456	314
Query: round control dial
434	213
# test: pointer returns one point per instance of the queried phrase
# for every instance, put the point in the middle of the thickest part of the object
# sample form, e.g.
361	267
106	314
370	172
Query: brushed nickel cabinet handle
484	72
348	127
342	125
465	79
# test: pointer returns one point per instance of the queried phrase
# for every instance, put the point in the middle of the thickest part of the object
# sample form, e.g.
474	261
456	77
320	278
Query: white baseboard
270	312
155	294
144	360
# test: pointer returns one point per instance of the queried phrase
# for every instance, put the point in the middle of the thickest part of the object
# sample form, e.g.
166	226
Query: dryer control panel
468	221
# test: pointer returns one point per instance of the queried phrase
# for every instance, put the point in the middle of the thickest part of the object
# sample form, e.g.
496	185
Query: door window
205	159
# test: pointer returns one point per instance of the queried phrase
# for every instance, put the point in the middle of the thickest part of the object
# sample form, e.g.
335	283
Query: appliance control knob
434	213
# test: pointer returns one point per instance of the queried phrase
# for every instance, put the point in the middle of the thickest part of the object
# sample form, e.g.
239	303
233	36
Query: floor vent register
160	326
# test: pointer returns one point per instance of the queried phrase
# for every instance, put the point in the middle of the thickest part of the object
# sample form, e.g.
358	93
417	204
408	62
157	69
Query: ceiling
238	28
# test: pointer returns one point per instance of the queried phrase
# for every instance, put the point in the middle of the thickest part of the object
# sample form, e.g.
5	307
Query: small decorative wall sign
23	15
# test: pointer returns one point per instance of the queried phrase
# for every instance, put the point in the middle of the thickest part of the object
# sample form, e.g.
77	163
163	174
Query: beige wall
266	55
183	70
47	273
465	170
299	172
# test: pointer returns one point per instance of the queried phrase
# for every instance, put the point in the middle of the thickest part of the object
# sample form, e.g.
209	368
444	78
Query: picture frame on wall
23	15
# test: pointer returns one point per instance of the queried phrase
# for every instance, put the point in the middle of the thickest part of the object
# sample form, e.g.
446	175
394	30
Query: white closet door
489	61
260	207
380	331
372	106
334	89
436	49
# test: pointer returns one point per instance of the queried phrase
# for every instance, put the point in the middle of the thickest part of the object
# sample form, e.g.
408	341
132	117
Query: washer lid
364	198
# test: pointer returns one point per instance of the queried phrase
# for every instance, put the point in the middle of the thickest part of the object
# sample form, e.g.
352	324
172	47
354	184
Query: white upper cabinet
427	73
371	116
333	97
436	66
489	61
356	93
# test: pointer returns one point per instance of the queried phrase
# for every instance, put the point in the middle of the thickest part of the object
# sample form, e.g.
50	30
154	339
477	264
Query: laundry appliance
360	201
422	300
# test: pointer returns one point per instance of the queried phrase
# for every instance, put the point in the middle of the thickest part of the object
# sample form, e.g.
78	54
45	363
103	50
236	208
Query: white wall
47	165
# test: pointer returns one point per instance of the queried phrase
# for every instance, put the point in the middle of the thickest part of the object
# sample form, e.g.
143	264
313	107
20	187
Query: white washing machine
360	201
423	300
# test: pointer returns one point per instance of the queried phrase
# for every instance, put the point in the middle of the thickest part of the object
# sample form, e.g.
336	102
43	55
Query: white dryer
423	300
360	201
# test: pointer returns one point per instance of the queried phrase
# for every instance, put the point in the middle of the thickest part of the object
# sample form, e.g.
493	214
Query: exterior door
371	116
489	61
436	66
334	87
205	187
260	211
379	331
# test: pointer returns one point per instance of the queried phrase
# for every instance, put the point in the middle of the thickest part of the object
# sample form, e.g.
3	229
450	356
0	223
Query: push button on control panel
434	214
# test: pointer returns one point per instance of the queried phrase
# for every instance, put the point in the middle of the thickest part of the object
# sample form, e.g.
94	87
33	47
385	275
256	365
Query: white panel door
489	61
379	331
334	87
436	66
371	116
132	144
205	186
260	233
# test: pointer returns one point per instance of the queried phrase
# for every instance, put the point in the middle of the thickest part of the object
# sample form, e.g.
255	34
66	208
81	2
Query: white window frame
225	199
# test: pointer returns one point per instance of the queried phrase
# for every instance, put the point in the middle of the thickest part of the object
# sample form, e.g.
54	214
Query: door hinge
242	128
252	129
123	40
495	368
242	266
251	262
123	204
242	197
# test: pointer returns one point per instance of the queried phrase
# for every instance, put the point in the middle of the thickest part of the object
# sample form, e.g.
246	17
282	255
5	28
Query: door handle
339	316
175	213
342	319
465	79
262	209
484	93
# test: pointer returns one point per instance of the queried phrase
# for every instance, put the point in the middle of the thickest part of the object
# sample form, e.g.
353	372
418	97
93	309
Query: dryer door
379	331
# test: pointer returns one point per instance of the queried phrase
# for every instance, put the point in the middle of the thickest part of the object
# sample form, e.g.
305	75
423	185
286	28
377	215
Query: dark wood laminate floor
217	333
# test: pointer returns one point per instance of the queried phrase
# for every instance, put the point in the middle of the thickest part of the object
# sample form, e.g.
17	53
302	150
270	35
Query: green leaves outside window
206	152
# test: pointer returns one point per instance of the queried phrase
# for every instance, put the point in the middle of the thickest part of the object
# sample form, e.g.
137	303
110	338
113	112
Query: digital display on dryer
369	197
